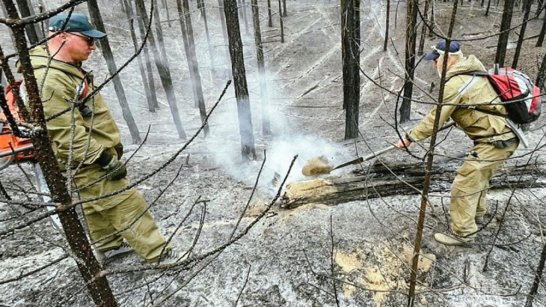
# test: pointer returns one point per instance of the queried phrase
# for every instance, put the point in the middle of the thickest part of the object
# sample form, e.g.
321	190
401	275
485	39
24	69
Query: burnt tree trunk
89	267
96	18
269	18
189	47
203	10
488	7
127	7
266	126
424	29
537	278
33	30
380	182
540	39
239	77
350	53
387	24
284	12
242	8
527	10
223	21
411	37
281	24
164	72
148	62
504	33
541	76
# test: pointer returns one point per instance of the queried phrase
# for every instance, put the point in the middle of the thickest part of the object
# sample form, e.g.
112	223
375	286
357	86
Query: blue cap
440	48
77	23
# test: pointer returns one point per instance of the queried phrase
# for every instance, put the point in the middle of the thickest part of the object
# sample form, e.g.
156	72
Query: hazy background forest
222	194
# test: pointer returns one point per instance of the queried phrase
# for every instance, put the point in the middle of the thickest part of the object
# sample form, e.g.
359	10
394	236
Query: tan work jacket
91	134
463	95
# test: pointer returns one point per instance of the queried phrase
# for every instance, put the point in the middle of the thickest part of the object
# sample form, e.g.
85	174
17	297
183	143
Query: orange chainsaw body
9	143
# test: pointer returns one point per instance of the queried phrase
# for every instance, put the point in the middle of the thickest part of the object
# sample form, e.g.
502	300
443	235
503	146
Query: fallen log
381	181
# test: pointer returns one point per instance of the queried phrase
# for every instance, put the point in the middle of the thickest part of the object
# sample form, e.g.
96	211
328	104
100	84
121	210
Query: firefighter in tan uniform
86	142
464	97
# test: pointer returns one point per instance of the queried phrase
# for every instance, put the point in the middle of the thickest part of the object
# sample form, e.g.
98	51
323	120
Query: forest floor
349	254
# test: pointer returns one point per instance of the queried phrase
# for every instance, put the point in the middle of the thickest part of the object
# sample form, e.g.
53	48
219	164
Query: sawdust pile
316	166
381	269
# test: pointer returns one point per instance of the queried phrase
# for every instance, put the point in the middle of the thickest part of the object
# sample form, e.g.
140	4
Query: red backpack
518	94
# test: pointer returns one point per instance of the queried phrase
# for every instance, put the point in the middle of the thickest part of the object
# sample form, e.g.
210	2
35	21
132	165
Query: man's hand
401	144
119	150
115	168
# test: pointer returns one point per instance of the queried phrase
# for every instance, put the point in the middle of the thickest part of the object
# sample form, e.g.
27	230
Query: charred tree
96	18
239	77
281	23
189	47
504	32
89	267
33	30
202	8
538	276
540	39
242	8
379	181
164	72
350	53
284	12
148	62
411	37
222	20
387	23
541	76
527	10
266	126
150	93
424	28
269	18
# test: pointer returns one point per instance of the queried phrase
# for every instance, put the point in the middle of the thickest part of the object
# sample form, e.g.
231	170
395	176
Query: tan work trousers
469	188
118	217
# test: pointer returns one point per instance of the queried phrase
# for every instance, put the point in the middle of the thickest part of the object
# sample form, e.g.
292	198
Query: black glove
115	168
119	150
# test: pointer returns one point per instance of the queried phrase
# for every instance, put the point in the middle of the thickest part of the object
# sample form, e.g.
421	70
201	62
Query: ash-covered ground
351	254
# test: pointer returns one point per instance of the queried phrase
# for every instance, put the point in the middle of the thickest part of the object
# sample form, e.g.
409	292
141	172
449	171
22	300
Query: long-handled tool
320	166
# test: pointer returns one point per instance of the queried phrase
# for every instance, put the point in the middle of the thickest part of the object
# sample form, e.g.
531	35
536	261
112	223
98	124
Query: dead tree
387	22
541	76
281	25
266	127
89	267
540	39
33	30
222	20
149	92
242	8
537	279
504	32
203	10
164	72
424	28
189	46
269	18
350	53
527	10
411	37
239	77
96	18
284	12
147	60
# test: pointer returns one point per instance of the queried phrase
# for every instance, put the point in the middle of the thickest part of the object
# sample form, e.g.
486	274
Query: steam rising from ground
224	141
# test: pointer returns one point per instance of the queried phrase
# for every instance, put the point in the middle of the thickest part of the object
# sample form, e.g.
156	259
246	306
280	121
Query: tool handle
366	158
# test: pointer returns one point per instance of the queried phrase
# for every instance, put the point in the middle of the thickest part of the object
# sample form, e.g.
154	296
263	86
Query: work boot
453	240
169	257
104	256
